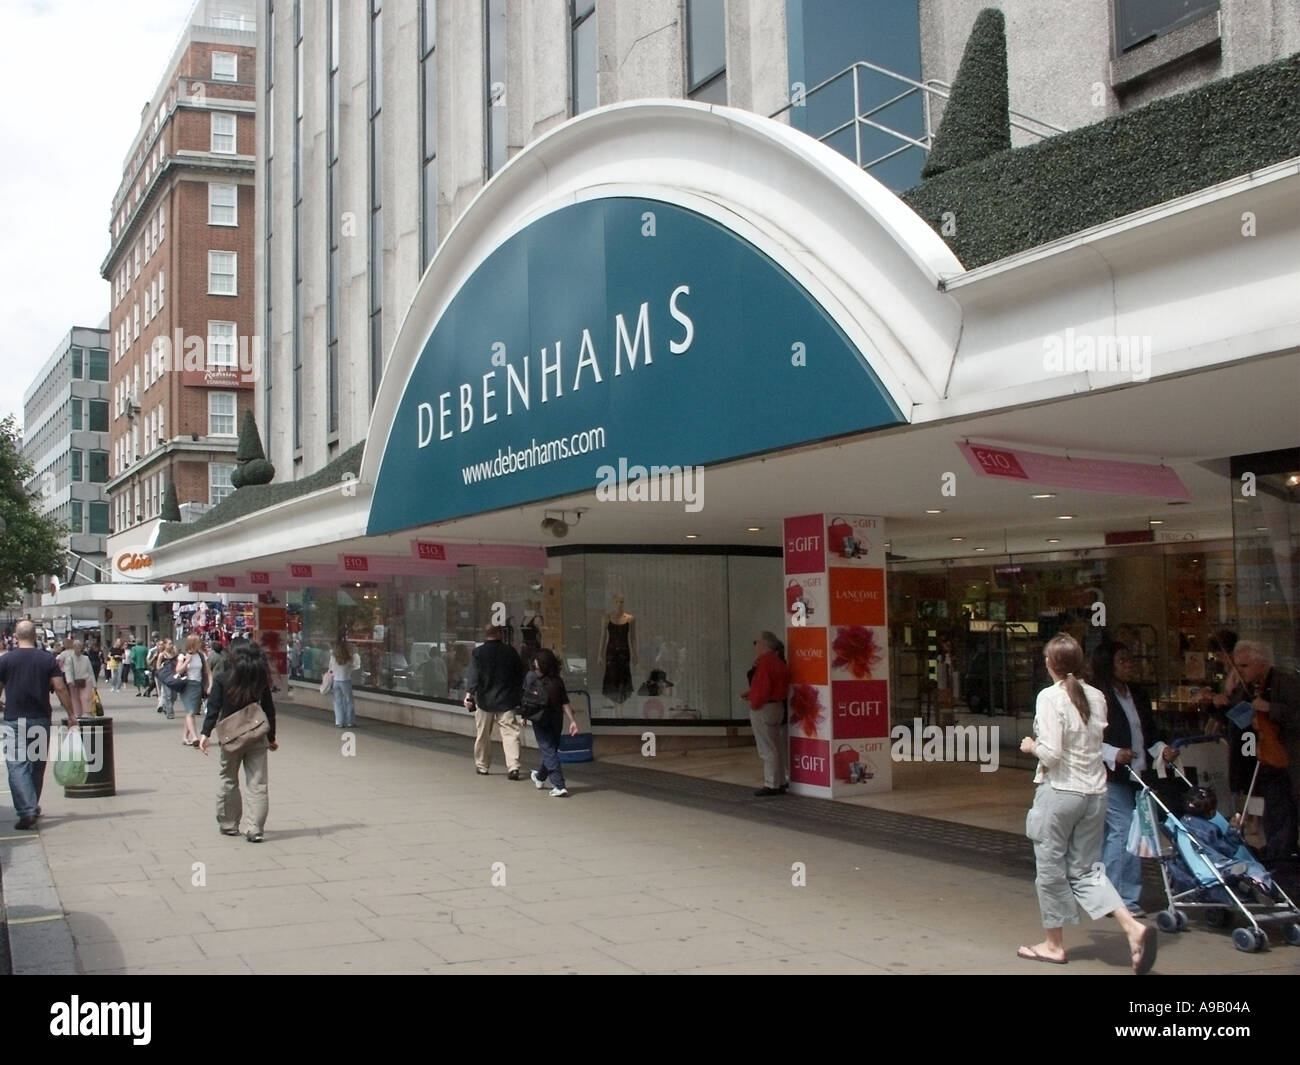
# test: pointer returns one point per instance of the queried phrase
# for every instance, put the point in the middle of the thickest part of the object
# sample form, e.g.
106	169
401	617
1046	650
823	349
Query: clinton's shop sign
613	329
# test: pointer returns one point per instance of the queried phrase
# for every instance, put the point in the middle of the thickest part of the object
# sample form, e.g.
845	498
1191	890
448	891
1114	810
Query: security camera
557	527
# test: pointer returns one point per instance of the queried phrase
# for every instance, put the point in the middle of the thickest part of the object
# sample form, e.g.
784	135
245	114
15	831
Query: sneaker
481	772
253	837
538	782
559	793
513	774
25	823
230	831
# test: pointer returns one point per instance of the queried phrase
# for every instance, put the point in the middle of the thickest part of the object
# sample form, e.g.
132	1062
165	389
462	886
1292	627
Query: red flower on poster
806	708
855	649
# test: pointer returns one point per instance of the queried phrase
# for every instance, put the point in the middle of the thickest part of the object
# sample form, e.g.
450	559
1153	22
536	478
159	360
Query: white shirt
1069	752
344	672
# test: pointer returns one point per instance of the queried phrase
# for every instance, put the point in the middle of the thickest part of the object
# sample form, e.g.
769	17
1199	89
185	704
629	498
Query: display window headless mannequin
618	651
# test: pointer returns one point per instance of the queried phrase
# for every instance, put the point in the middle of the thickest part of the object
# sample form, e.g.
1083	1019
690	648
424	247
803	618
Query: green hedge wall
255	497
1028	196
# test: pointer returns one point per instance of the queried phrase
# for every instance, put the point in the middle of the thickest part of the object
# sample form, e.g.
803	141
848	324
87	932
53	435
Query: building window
162	287
98	519
219	486
332	225
582	43
221	414
221	344
706	51
1140	21
225	66
76	415
135	330
98	416
74	465
494	94
78	363
97	364
97	467
221	273
428	131
376	264
223	205
223	132
75	525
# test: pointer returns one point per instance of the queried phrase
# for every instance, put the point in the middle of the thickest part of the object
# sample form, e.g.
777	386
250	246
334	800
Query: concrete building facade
66	440
382	123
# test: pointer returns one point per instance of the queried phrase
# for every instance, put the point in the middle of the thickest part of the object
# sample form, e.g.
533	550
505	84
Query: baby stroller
1209	881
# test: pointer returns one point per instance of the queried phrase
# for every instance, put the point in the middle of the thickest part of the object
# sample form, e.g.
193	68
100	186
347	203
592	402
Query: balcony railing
868	113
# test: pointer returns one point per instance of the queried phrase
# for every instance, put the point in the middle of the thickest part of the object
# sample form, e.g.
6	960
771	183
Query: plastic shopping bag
70	760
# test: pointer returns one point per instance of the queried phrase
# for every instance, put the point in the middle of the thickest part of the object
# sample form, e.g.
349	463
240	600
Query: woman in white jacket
1068	817
79	676
343	661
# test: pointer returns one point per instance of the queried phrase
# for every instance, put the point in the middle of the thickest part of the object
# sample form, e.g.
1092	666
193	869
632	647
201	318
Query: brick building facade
180	266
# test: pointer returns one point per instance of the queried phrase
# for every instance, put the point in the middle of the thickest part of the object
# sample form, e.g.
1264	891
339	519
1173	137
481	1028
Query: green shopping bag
70	760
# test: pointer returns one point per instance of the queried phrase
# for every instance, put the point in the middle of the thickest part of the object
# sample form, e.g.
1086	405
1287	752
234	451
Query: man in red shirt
768	684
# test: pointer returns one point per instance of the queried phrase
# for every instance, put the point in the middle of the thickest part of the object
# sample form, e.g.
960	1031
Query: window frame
233	134
234	66
214	486
233	414
232	207
234	272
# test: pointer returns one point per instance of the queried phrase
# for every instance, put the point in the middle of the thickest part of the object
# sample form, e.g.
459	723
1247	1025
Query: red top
771	680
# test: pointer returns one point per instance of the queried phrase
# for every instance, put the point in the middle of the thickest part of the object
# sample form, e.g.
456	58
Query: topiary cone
977	121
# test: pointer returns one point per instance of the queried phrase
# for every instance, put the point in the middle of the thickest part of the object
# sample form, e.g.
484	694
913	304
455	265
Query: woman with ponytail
1068	818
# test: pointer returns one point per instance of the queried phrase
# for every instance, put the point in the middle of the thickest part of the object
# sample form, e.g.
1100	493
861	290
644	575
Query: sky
74	75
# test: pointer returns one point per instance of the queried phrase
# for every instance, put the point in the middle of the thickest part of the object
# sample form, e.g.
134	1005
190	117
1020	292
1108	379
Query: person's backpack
535	699
168	677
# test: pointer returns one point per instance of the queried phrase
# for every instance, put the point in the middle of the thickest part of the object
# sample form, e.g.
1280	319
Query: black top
1119	734
217	708
496	676
26	673
552	718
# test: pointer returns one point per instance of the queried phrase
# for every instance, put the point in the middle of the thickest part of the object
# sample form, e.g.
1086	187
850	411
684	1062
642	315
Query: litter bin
97	739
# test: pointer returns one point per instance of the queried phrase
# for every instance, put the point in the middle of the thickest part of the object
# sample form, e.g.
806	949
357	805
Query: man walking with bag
492	691
26	677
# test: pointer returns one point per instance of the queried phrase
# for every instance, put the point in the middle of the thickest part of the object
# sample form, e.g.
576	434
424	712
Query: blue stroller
1206	869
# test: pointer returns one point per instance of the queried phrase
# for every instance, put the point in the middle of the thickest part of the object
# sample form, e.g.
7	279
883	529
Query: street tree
31	545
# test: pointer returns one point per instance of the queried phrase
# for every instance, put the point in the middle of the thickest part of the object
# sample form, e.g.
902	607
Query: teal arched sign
614	330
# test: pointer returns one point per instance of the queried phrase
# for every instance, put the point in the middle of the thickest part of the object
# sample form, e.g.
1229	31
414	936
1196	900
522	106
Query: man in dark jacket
1276	721
492	690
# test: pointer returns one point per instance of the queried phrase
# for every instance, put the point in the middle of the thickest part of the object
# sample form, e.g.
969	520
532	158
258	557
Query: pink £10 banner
1090	475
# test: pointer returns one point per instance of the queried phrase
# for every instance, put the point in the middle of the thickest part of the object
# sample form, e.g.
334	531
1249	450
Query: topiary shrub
171	510
976	123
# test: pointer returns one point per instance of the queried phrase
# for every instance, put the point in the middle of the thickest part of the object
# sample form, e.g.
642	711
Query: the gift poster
860	708
860	766
806	600
809	712
804	544
854	540
810	763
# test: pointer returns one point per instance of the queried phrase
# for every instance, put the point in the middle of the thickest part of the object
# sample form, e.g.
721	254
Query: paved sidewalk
384	862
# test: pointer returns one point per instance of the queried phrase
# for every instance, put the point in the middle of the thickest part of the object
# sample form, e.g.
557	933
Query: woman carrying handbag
245	683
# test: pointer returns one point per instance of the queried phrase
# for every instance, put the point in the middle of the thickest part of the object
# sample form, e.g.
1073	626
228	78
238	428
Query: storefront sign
612	330
133	564
1090	475
356	566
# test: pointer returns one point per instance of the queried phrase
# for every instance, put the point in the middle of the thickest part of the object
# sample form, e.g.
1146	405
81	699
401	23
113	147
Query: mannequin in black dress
530	632
618	649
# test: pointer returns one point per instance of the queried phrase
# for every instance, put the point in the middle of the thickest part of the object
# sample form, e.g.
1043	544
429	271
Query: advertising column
837	644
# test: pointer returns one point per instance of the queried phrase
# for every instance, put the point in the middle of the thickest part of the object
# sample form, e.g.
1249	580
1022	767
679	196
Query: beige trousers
230	803
511	731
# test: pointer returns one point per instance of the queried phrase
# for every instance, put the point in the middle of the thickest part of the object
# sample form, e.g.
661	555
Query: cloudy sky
73	77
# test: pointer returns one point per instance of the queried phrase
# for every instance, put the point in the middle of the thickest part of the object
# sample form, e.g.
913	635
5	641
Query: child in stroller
1223	843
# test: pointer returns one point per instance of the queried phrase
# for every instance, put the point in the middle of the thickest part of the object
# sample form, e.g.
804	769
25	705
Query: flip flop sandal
1029	954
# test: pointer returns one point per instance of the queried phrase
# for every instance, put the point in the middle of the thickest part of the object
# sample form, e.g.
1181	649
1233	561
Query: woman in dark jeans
547	725
246	680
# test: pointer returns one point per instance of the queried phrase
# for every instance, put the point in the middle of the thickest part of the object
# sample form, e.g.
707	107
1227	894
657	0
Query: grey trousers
773	743
230	804
1067	829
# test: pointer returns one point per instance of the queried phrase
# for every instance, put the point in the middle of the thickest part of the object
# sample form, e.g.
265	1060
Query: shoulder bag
239	731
